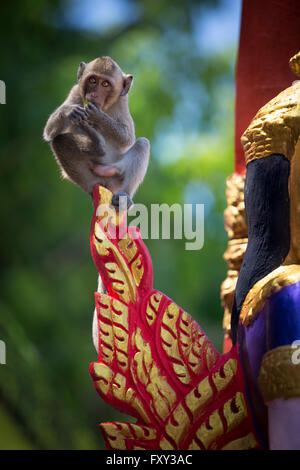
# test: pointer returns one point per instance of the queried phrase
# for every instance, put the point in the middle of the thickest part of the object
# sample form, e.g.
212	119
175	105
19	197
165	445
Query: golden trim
276	126
295	64
221	378
234	215
156	364
145	371
127	248
237	231
137	269
117	433
234	419
246	442
152	307
273	282
170	342
279	377
125	281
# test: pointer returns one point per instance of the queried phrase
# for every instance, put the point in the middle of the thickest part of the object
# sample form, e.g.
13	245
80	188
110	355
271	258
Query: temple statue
155	363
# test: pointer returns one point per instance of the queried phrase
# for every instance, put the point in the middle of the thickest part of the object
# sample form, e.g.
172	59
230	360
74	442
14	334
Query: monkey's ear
80	70
127	84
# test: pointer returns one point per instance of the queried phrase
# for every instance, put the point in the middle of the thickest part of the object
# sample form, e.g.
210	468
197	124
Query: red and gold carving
155	363
237	231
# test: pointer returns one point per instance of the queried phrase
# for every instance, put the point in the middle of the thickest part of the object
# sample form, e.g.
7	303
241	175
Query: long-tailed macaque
92	133
95	142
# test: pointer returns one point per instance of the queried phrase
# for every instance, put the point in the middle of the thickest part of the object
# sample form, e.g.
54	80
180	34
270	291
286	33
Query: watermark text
2	92
160	221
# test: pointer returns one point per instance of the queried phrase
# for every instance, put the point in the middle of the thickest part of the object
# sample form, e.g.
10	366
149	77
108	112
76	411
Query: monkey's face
102	90
103	82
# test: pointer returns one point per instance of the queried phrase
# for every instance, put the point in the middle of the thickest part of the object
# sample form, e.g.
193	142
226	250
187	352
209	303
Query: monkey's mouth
94	98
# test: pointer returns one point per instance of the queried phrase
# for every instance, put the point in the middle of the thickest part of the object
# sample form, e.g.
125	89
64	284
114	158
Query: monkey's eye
105	83
93	80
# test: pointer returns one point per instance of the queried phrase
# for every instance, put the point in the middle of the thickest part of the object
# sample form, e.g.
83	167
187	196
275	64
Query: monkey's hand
77	114
112	129
93	113
58	121
78	117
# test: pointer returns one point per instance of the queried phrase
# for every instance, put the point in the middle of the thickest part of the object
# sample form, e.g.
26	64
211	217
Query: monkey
94	142
92	133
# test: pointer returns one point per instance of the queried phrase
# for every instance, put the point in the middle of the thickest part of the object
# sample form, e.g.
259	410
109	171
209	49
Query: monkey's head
103	82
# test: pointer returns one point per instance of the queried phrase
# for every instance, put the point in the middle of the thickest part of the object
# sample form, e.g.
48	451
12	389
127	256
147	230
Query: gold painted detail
279	377
111	384
237	231
194	407
116	433
276	126
122	281
235	216
194	345
128	248
198	398
137	270
156	364
127	270
210	431
184	345
178	425
170	342
225	375
152	307
118	271
113	328
295	64
263	289
146	372
247	442
235	412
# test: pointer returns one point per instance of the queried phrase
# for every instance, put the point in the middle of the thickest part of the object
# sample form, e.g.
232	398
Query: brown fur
88	140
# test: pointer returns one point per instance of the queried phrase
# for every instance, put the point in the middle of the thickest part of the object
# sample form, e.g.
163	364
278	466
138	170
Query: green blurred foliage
182	101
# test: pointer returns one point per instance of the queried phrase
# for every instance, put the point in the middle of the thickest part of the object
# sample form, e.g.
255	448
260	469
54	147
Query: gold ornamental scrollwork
237	231
155	362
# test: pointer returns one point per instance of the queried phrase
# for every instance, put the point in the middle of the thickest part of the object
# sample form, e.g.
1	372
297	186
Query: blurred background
182	55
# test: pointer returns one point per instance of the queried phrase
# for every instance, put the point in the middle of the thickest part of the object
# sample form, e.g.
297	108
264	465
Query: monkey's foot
118	200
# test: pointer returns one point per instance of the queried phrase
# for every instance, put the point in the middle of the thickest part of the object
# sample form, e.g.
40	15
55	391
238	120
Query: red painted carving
155	363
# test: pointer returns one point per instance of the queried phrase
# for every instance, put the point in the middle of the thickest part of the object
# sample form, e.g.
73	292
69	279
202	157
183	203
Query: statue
265	318
156	364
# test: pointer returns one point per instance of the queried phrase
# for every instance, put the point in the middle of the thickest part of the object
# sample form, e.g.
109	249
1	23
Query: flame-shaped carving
155	362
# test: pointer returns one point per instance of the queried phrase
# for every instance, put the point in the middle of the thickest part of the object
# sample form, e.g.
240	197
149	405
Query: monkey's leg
133	167
59	120
77	157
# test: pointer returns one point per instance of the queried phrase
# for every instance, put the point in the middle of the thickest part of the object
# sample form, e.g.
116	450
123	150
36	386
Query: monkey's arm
117	131
59	118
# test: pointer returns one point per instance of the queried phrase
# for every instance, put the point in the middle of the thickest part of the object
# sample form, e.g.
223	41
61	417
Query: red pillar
269	37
